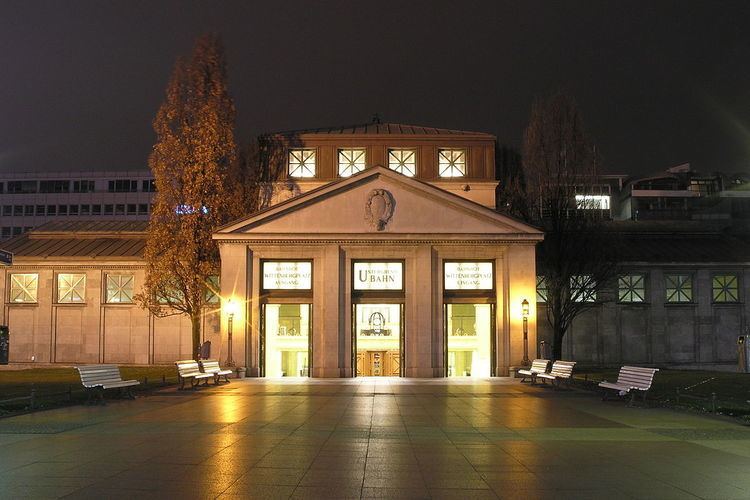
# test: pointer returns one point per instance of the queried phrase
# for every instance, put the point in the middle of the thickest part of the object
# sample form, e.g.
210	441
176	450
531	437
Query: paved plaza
372	438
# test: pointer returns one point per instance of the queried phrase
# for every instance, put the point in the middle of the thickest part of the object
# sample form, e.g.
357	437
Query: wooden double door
378	363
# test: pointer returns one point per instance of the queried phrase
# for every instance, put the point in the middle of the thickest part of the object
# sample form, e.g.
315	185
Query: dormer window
351	161
403	161
452	162
301	163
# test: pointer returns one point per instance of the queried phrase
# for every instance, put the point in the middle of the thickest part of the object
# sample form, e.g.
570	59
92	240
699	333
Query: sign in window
468	276
378	276
287	275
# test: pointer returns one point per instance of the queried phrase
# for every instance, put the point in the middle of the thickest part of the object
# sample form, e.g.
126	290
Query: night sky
659	83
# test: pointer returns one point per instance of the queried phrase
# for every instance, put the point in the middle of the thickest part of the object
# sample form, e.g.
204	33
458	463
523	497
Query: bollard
70	393
678	395
145	382
163	379
713	402
32	398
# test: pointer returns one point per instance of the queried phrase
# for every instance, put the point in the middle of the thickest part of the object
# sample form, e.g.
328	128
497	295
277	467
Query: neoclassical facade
378	273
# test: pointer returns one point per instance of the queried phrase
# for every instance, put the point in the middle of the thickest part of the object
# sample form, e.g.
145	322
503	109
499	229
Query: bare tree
199	186
560	168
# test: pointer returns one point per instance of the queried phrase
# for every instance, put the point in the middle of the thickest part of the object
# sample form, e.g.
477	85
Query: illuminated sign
468	276
286	275
378	276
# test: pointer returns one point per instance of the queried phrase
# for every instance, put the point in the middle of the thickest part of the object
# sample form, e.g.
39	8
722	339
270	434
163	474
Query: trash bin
743	354
543	352
241	372
4	344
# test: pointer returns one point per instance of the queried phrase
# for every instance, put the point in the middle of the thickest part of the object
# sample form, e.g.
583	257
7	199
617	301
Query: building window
23	288
5	232
212	290
40	210
725	288
679	288
119	209
7	210
403	161
62	210
83	186
301	163
96	209
18	210
73	210
631	288
452	162
17	231
541	289
351	161
148	186
583	288
54	186
120	288
122	186
28	210
592	202
142	209
132	209
108	209
85	209
51	209
71	288
22	187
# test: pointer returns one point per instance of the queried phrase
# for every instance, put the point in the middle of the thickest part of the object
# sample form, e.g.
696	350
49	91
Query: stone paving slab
372	438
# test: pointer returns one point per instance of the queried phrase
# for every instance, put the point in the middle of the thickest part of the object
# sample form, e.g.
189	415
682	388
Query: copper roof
383	129
76	239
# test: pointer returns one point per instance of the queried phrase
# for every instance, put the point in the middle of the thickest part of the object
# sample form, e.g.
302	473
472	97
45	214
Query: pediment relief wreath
379	208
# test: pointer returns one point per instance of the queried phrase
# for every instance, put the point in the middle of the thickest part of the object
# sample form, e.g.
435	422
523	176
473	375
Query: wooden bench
212	366
537	366
631	379
561	370
98	378
188	369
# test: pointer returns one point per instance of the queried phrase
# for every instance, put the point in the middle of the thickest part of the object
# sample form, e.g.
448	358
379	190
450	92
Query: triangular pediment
382	203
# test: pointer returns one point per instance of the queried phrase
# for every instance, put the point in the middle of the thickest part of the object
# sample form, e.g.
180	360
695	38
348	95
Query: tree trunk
558	333
196	328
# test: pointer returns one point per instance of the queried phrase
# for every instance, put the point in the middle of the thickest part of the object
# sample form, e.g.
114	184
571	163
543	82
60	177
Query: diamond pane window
120	288
71	288
725	288
23	288
351	161
301	163
541	289
631	288
212	287
582	289
679	288
403	161
452	163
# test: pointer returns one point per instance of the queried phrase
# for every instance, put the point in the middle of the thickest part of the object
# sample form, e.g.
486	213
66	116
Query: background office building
28	200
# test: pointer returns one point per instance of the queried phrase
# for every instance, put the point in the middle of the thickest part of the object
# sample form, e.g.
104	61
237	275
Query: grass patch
60	386
732	390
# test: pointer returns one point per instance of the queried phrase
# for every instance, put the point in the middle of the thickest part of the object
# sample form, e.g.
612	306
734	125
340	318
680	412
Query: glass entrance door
468	329
378	339
286	340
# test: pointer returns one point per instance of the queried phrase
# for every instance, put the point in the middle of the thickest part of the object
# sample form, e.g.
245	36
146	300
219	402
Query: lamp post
230	307
525	313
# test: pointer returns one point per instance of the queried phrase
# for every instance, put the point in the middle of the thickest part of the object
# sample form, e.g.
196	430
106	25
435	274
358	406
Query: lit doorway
468	339
378	340
285	343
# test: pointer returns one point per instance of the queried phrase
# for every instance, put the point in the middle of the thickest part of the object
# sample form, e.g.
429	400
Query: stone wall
94	331
702	333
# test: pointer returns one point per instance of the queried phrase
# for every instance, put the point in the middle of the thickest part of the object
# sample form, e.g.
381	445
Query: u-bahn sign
6	258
